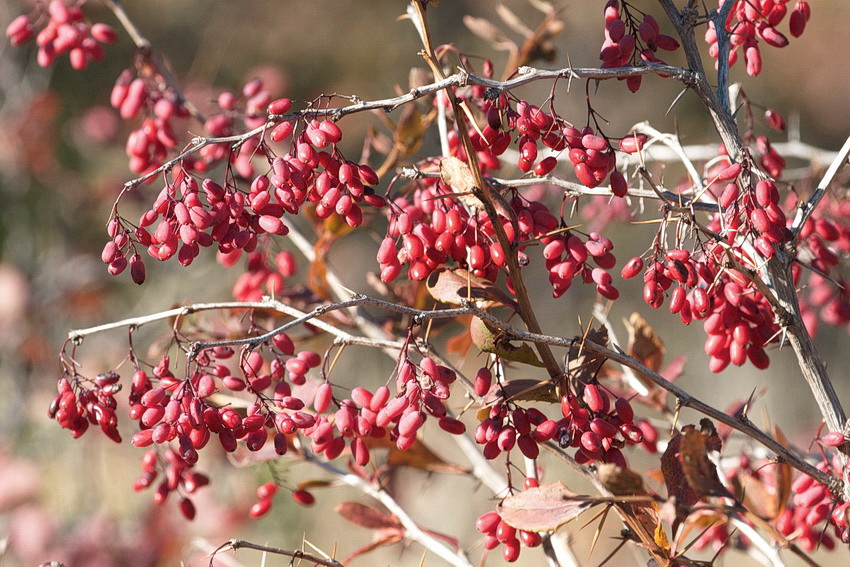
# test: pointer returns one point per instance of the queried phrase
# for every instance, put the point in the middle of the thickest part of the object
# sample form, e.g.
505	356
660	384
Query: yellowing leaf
490	339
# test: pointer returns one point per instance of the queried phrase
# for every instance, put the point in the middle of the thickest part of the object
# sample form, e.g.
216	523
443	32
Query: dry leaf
584	366
367	516
625	482
688	472
620	481
418	456
512	21
544	508
458	285
489	32
457	175
521	389
644	343
784	474
492	340
388	528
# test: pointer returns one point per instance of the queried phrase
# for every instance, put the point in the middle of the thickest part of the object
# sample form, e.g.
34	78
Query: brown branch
777	272
143	47
487	196
235	544
684	398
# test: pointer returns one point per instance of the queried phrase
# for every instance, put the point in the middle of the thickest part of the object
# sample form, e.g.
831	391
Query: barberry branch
151	57
684	398
412	530
778	268
804	212
235	544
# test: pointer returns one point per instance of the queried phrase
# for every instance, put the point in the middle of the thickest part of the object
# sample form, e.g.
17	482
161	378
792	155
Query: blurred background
62	165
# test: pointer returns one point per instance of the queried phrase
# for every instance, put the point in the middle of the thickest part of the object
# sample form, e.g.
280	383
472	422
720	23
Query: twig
144	49
235	544
805	211
412	530
685	399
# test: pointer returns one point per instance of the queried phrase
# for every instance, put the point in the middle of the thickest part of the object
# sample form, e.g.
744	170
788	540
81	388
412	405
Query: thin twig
235	544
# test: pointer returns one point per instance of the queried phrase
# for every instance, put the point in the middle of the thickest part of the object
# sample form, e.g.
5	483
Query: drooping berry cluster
191	215
508	427
629	38
497	532
567	255
178	476
65	31
89	404
595	427
752	21
738	319
435	228
147	146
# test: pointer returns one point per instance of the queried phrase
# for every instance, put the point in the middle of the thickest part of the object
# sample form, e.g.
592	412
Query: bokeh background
62	164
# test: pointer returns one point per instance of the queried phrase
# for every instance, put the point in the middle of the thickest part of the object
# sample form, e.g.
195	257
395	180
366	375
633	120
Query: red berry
260	508
303	497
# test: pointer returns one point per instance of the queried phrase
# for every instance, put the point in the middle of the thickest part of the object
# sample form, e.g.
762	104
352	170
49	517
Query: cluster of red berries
738	319
506	428
190	215
812	507
824	240
65	32
566	257
752	20
178	476
261	276
434	228
422	391
597	428
628	38
148	146
497	532
90	405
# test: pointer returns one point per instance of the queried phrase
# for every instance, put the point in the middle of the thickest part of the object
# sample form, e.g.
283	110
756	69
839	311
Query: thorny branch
684	398
235	544
718	105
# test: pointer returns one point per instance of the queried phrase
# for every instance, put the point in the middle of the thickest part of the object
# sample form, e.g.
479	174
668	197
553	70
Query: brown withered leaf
766	497
388	528
620	481
418	456
458	285
784	473
643	516
457	175
582	365
367	516
489	32
544	508
512	21
756	497
644	343
409	132
459	344
688	472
